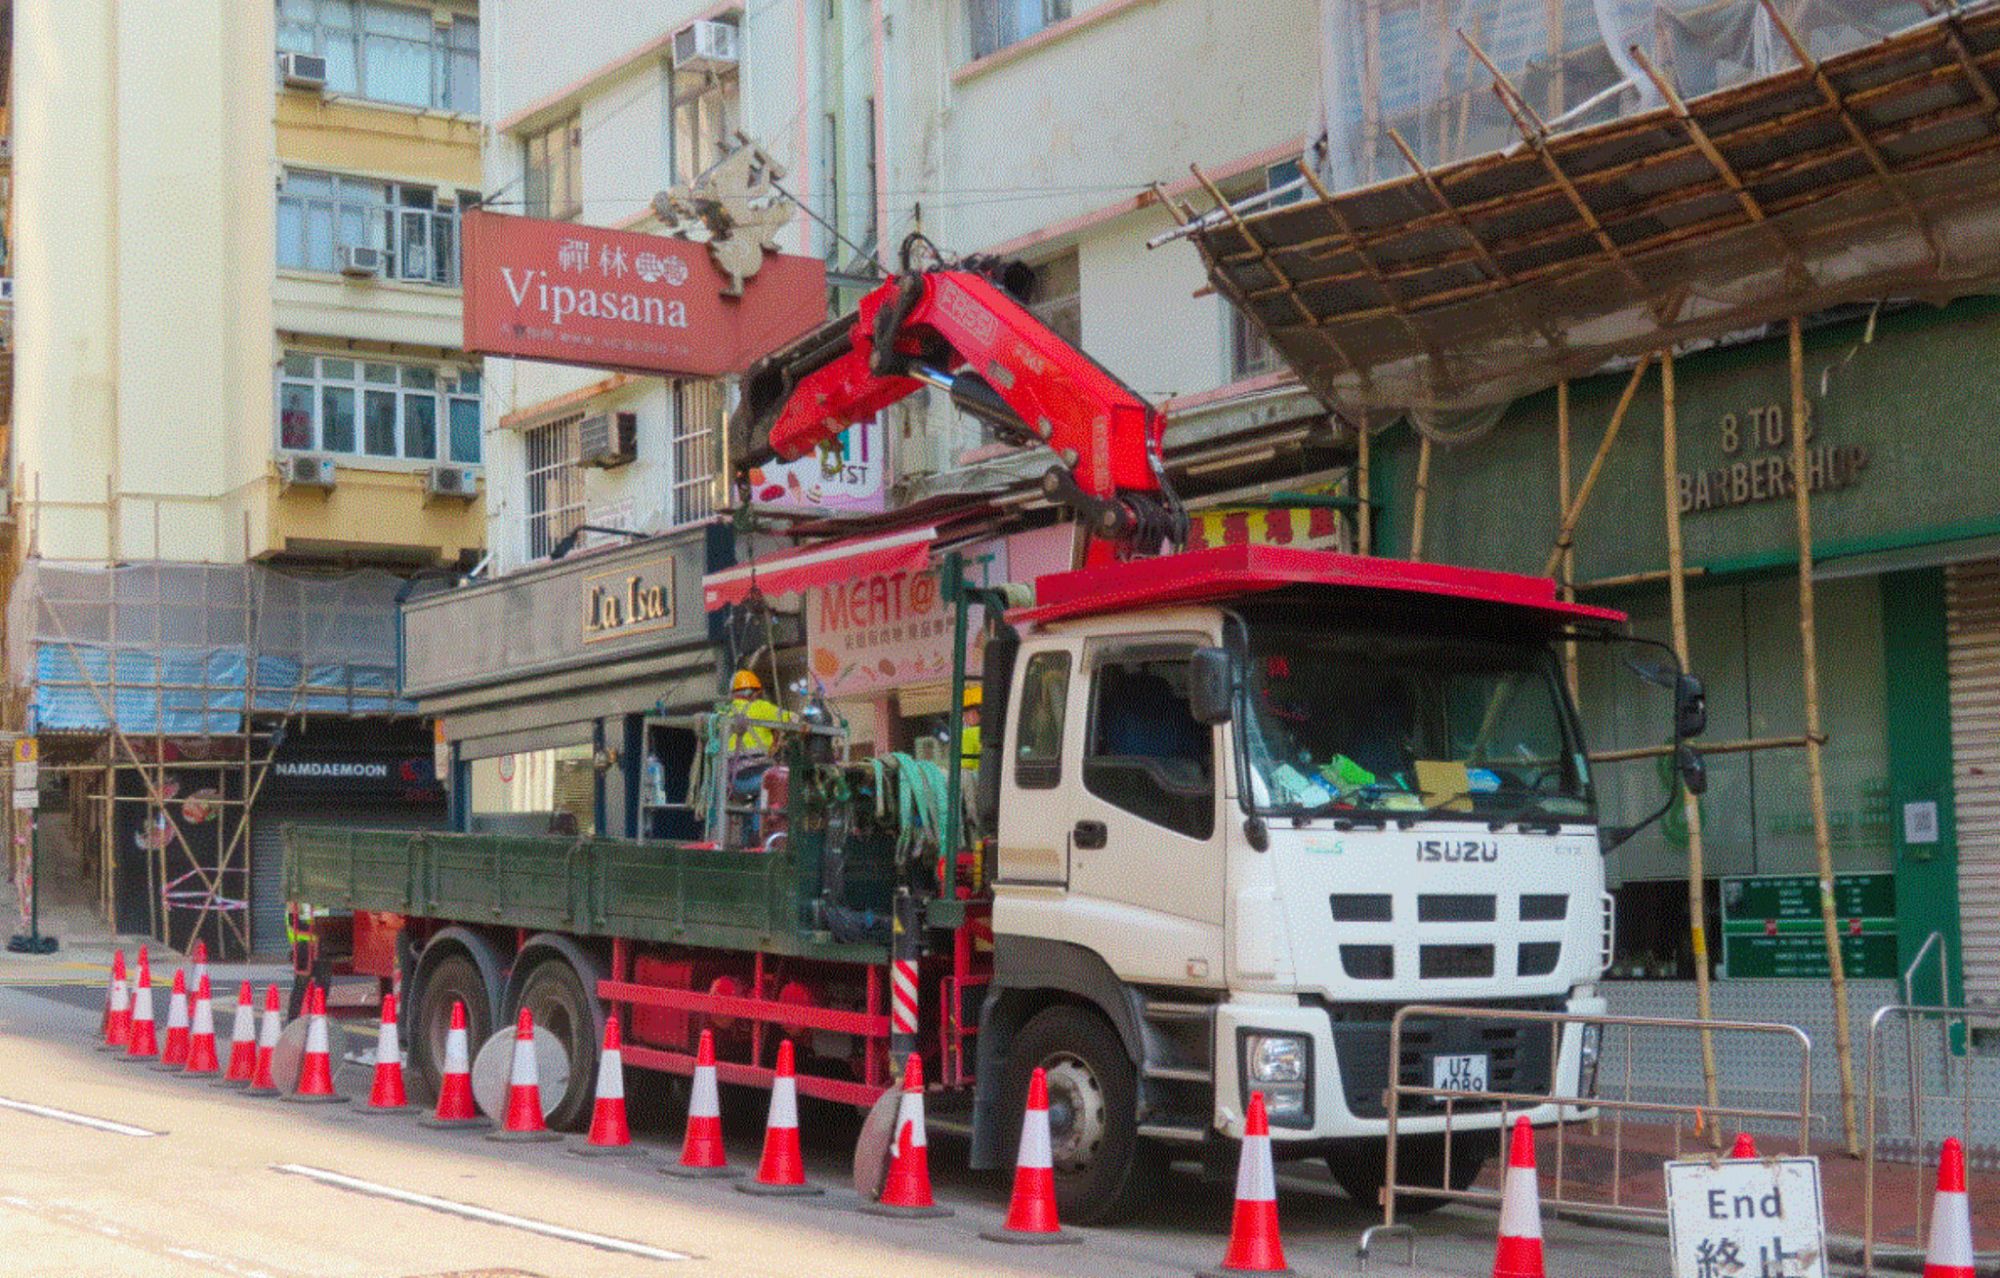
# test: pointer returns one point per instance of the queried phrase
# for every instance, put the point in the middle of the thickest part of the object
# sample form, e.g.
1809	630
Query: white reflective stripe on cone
1951	1233
1255	1181
121	997
204	1017
387	1049
316	1036
523	1074
142	1004
1035	1151
244	1029
177	1012
610	1076
267	1035
703	1102
784	1103
1520	1210
455	1054
911	1115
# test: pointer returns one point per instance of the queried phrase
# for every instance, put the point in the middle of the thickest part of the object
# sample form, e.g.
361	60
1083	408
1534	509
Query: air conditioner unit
608	439
459	483
706	46
362	262
302	470
302	70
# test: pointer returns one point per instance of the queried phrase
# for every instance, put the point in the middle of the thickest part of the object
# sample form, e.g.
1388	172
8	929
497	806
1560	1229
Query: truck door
1146	856
1034	820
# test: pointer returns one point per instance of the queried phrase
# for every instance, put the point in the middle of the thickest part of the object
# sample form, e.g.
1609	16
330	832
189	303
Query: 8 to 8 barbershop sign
600	298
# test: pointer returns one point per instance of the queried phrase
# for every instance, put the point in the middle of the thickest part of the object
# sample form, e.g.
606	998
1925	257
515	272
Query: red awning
907	551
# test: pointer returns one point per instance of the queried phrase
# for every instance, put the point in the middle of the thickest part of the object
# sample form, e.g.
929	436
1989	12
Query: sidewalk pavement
1609	1167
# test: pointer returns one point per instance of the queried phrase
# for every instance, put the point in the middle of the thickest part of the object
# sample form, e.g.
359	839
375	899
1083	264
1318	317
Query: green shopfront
1904	426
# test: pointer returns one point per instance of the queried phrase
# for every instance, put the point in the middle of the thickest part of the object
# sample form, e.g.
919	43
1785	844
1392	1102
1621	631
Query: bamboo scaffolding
1815	766
1566	531
1572	674
1423	493
1690	802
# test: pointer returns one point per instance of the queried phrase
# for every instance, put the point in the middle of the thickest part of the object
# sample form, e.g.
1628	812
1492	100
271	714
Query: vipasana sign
1746	1218
600	298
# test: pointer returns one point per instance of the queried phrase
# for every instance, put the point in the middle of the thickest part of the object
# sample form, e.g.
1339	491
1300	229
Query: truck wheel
455	979
555	994
1360	1167
1103	1171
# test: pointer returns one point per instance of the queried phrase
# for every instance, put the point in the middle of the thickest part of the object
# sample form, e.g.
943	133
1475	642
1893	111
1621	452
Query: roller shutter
1972	602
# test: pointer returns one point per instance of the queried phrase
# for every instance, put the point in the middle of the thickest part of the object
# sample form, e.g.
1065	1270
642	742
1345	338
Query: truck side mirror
1211	680
1690	708
1694	772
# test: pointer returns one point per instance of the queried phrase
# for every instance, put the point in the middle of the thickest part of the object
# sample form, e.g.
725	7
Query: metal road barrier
1967	1097
1405	1099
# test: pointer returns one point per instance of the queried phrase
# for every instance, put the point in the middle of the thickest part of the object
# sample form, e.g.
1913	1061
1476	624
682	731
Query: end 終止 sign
601	298
1746	1218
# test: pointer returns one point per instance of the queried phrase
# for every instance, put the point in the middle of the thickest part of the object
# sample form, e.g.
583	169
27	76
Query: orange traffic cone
174	1056
610	1134
703	1156
141	1042
388	1096
198	956
1254	1245
242	1042
315	1085
268	1030
1520	1252
455	1107
1031	1213
1950	1252
201	1039
524	1089
117	1027
1744	1146
907	1191
781	1172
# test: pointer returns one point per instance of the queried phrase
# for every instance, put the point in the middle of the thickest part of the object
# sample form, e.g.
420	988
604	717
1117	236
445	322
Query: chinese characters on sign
891	629
1746	1218
601	298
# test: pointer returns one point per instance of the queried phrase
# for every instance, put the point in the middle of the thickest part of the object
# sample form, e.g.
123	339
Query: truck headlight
1280	1066
1588	1051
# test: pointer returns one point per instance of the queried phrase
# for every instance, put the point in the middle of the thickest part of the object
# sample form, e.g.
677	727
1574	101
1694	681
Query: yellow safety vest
754	740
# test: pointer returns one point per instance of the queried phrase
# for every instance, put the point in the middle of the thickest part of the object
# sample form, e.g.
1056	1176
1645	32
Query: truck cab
1239	827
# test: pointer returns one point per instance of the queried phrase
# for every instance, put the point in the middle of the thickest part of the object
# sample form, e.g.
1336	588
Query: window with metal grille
552	173
417	56
321	213
378	408
995	24
707	112
1250	352
555	484
697	443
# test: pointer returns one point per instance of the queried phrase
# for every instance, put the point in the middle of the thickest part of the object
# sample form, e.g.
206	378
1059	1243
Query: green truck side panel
1918	723
652	891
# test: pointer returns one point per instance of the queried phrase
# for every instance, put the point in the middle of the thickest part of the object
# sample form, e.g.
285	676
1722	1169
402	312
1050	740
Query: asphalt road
193	1180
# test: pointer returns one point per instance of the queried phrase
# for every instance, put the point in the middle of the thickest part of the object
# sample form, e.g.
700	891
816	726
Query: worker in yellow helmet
747	701
968	736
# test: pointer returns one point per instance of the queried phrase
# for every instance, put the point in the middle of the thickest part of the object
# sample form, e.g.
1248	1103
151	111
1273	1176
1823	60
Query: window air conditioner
706	46
459	483
608	439
302	470
362	262
302	70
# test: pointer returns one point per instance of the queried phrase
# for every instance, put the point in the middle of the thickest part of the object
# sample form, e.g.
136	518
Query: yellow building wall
151	317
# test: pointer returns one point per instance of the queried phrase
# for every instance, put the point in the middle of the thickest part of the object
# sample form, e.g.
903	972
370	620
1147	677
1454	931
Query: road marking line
373	1189
81	1120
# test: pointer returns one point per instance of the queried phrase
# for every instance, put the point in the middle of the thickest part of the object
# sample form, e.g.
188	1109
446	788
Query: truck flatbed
657	891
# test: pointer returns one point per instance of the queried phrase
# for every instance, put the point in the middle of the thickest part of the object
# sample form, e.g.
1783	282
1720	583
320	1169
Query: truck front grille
1519	1056
1449	962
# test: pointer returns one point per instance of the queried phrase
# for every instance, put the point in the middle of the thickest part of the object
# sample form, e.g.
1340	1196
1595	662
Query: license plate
1459	1073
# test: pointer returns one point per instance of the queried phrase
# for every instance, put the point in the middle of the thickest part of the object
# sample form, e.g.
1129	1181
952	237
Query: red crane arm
959	332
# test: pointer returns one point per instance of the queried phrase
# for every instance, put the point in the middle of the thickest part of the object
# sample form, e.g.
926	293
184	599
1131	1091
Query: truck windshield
1451	728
